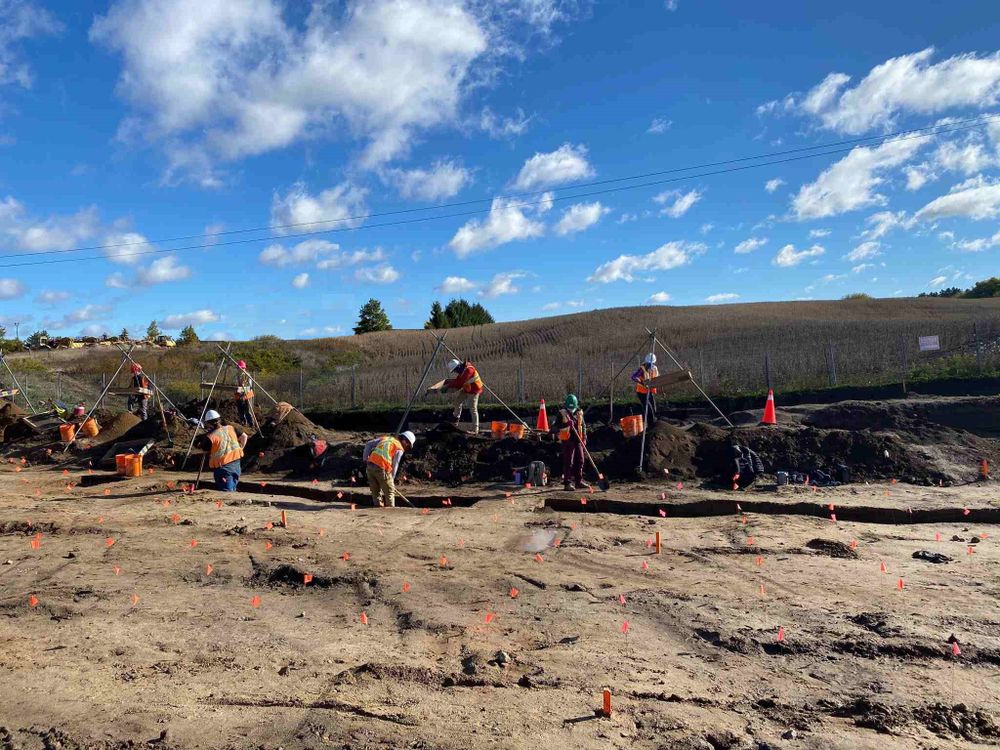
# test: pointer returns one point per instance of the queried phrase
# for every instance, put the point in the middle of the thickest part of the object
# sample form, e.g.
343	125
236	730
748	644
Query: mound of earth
11	427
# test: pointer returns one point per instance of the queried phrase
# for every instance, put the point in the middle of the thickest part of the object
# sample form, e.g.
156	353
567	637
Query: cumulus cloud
380	274
301	281
307	251
659	298
851	183
22	19
864	251
978	245
55	232
976	198
337	207
772	185
11	289
507	222
726	297
456	285
580	216
502	283
630	267
788	256
676	203
443	179
161	271
196	318
750	244
567	163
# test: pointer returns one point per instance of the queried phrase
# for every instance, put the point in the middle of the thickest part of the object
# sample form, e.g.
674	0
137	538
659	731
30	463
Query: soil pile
11	426
287	447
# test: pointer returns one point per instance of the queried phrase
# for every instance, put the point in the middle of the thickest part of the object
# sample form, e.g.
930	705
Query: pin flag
663	513
218	504
166	503
110	542
680	485
425	512
194	543
489	617
307	578
759	561
762	589
645	566
625	627
363	618
107	492
116	569
583	501
443	562
606	709
268	525
208	569
267	545
461	542
899	584
406	587
882	568
255	602
781	634
322	532
354	506
937	536
970	550
32	601
175	518
539	558
135	600
749	541
955	650
340	495
345	556
621	599
833	517
36	543
514	592
966	511
663	496
854	544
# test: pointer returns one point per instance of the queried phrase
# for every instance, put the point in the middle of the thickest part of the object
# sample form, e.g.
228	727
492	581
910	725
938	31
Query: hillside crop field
806	345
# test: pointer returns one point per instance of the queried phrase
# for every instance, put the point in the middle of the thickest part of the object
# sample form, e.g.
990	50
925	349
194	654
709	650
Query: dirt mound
114	427
286	447
11	427
672	449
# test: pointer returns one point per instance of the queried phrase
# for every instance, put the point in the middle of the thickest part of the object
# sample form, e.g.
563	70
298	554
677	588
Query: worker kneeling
225	449
573	435
382	456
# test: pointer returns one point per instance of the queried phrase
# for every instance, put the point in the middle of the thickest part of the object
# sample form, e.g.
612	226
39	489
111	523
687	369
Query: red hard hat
241	364
136	368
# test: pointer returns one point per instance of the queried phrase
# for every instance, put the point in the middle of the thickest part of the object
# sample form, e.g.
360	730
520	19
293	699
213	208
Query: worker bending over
572	431
468	385
382	456
139	399
244	394
225	449
641	377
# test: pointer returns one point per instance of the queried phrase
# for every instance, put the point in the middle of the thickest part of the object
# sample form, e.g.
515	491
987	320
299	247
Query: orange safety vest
225	447
651	372
244	389
475	383
384	453
566	433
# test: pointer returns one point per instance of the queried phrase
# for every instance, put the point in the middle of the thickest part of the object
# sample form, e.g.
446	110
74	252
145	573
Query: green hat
571	402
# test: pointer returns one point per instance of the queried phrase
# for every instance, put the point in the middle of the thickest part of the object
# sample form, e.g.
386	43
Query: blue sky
128	123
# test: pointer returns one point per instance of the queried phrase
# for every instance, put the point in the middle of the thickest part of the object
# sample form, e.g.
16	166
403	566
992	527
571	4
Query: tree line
458	313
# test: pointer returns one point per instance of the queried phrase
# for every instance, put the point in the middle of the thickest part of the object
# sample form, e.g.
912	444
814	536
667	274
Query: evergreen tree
188	336
372	318
124	334
152	331
36	338
460	313
438	319
986	288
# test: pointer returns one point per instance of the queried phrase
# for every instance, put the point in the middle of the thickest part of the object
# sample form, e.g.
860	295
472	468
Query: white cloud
815	234
580	216
22	19
917	177
908	84
337	207
883	222
706	227
94	330
726	297
161	271
56	232
968	158
626	218
339	260
507	222
850	183
864	251
443	179
126	247
381	274
659	126
937	281
116	281
51	297
196	318
11	289
788	256
629	267
978	245
659	298
456	285
750	244
503	127
502	283
671	5
301	281
307	251
832	277
324	331
676	203
976	198
550	306
862	267
566	164
87	313
772	185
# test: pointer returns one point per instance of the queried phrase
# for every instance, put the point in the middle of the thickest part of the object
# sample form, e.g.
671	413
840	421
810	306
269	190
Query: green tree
152	331
460	313
857	295
188	336
986	288
438	319
36	338
372	318
124	334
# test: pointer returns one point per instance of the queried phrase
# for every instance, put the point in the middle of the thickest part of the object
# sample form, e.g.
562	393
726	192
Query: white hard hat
650	359
211	415
452	364
410	437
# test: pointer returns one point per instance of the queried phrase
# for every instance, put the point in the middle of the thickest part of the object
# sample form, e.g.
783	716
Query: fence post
354	386
579	379
979	348
833	364
520	382
701	358
906	367
302	395
767	369
611	395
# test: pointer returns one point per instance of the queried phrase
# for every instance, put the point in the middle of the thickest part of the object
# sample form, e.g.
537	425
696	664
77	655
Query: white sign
929	343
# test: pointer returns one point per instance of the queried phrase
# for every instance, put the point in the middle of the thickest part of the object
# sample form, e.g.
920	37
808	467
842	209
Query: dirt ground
135	614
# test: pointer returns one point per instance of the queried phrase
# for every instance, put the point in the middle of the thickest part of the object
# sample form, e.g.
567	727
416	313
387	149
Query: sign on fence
929	343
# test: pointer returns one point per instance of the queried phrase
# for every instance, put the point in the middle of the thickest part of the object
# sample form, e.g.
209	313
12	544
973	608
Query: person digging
382	457
224	447
468	385
572	431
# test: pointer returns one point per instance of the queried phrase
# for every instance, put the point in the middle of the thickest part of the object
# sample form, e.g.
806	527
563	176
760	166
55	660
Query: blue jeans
227	477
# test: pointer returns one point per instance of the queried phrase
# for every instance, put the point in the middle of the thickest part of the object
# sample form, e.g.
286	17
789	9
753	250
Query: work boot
582	486
567	486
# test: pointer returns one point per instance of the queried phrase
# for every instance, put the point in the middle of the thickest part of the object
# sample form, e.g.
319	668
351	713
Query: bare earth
396	642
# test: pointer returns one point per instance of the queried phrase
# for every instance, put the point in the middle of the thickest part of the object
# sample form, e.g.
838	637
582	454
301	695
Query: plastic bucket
67	432
90	428
134	466
499	429
516	430
632	426
121	462
79	410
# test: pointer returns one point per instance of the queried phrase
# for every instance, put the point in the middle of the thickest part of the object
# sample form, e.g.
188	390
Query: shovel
404	499
602	481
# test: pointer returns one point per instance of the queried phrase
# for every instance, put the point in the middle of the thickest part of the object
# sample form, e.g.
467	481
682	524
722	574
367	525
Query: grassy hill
807	344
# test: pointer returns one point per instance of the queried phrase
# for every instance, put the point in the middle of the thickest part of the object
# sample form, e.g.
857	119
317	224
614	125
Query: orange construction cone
542	425
769	416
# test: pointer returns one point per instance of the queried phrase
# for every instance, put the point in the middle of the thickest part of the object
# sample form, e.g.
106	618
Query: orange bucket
67	432
632	426
499	429
516	430
121	462
134	466
90	428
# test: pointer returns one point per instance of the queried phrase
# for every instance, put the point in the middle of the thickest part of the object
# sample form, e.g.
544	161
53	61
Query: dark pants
642	403
243	406
572	462
142	403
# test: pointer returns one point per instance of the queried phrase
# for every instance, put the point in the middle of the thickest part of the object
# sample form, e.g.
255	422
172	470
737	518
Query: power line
915	133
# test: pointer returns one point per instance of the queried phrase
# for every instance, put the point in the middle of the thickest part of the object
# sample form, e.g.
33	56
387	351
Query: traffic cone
542	425
769	416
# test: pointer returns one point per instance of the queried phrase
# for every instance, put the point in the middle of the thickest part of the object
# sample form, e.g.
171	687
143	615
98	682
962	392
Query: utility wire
915	133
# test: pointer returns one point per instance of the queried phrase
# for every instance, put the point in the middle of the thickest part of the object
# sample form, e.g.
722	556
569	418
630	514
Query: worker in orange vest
139	399
382	456
641	377
225	449
572	431
467	383
244	394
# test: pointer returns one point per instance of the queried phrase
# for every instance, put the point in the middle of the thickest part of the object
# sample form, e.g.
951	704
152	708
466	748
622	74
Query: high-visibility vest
650	372
225	447
384	453
475	383
565	433
244	387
